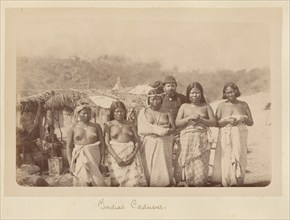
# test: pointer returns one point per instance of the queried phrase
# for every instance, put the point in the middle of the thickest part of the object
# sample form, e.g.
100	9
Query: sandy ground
259	141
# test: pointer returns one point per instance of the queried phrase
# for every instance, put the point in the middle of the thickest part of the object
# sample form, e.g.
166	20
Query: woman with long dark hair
194	118
123	145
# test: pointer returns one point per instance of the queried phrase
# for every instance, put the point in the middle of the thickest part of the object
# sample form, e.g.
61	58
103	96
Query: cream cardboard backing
89	203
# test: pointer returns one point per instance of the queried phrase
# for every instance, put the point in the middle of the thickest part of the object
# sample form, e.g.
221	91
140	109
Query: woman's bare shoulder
222	104
242	102
185	105
95	125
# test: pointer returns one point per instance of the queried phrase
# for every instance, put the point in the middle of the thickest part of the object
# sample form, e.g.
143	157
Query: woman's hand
192	122
232	121
194	117
130	159
243	119
160	130
102	168
171	131
201	120
120	162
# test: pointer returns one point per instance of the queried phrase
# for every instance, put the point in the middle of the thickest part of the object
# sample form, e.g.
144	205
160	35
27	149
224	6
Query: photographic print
100	56
148	101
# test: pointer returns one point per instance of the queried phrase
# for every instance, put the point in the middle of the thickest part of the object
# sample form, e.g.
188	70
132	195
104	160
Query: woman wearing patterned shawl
156	130
123	144
85	149
194	118
233	117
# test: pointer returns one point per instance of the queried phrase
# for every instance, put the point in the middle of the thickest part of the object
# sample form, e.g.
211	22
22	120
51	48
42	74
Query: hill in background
36	74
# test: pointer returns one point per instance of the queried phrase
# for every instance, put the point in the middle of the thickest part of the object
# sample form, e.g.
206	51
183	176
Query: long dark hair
234	87
114	105
199	87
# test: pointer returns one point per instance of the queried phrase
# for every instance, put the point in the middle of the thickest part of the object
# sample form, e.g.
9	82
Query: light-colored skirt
131	175
156	154
231	156
85	165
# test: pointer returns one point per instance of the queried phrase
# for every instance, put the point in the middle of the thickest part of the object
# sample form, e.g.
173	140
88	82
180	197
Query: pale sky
188	39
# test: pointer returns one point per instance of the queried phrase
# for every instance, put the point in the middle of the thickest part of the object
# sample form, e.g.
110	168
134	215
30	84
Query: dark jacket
172	104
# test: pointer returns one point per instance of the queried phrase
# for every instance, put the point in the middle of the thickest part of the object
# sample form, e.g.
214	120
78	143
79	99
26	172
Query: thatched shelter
130	100
48	108
67	100
31	103
54	109
37	114
60	104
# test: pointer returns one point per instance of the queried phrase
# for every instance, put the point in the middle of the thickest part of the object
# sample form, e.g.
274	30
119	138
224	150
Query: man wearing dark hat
171	103
172	100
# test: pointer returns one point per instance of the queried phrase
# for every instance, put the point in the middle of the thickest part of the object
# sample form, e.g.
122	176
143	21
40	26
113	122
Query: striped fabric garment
194	157
131	175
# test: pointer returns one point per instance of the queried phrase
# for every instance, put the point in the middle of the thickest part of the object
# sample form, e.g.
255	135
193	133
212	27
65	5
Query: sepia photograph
129	97
177	101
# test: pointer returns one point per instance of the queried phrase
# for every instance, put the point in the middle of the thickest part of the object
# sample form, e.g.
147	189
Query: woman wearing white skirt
233	117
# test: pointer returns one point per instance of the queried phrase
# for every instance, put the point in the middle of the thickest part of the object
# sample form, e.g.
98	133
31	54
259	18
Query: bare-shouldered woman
233	117
85	145
123	146
194	118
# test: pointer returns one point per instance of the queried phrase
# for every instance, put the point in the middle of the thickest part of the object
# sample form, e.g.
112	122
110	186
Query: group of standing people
169	146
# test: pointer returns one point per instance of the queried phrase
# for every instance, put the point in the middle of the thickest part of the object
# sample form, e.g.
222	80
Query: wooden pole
59	125
41	139
52	138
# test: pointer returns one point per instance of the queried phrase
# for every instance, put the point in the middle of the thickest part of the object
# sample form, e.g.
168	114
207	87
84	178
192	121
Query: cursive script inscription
145	206
115	206
134	204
